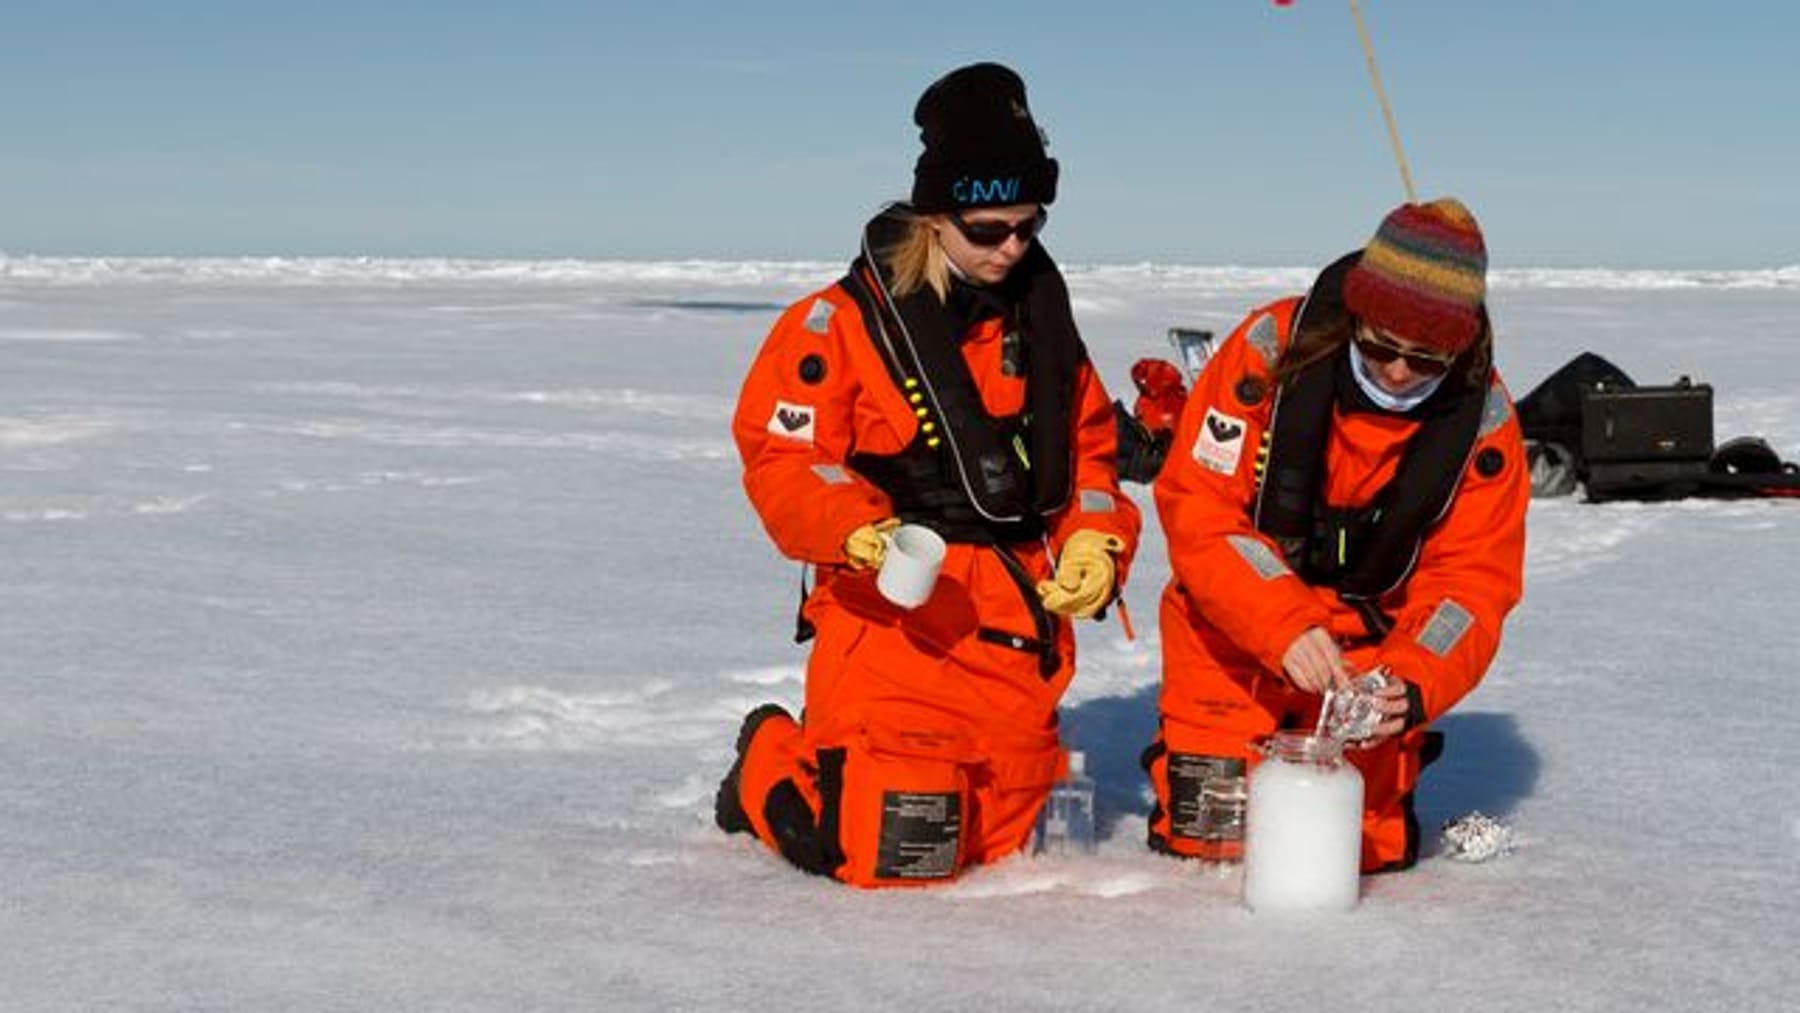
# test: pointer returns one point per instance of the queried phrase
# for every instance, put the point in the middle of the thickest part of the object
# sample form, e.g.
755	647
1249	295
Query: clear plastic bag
1351	716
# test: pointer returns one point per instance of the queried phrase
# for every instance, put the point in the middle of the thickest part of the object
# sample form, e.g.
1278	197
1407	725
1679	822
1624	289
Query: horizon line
8	258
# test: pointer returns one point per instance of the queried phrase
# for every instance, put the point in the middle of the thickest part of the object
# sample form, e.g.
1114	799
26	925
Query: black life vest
1366	550
969	475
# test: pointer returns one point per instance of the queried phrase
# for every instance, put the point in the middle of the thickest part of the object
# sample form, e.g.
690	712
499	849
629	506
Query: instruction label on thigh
920	832
1188	774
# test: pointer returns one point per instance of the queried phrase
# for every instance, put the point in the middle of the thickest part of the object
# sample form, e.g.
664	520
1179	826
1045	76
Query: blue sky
1649	134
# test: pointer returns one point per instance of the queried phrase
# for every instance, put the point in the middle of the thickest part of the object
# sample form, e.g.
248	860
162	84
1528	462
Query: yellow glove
865	548
1084	575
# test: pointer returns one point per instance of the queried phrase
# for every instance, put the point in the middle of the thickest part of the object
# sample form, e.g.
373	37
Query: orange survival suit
929	737
1403	535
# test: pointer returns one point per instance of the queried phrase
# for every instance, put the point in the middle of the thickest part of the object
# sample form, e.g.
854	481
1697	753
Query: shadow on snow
1487	765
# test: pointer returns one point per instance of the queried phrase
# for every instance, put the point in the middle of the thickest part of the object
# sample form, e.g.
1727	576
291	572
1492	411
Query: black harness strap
1293	473
804	630
923	480
1016	641
1417	498
1045	644
1007	470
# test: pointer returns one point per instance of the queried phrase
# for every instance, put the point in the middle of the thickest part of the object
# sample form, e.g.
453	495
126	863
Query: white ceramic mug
909	568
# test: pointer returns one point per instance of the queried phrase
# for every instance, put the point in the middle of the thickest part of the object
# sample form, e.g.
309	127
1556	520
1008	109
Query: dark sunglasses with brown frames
1382	350
995	233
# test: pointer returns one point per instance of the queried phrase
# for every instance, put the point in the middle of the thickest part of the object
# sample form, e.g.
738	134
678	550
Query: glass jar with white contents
1303	844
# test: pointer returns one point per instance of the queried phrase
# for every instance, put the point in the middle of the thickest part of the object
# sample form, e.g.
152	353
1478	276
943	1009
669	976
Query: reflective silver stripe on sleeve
1096	501
1265	337
818	319
1445	628
1495	412
1261	558
831	474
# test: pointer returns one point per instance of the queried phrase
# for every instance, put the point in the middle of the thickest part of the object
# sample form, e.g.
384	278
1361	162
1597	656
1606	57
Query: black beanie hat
982	148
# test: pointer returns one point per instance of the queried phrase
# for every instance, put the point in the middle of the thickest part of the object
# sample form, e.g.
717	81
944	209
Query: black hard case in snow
1638	438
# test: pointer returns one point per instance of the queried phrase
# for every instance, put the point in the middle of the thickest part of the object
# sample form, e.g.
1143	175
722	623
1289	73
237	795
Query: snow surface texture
376	632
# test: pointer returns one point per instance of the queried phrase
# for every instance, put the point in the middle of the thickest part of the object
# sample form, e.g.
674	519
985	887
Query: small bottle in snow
1066	825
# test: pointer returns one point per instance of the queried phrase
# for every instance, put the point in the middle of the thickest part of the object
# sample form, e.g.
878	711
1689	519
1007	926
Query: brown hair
917	261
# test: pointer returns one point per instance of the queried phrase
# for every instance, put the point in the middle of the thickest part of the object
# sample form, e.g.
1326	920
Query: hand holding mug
908	556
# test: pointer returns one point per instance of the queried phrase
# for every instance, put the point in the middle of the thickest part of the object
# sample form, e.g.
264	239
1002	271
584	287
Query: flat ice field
374	635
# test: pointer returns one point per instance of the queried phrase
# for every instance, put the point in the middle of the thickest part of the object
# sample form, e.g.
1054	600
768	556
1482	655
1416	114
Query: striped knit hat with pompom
1423	277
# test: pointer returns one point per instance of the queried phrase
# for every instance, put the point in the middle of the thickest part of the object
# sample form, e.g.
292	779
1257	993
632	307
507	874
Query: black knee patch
807	840
1150	754
831	798
1146	760
794	828
1410	857
1429	752
1431	749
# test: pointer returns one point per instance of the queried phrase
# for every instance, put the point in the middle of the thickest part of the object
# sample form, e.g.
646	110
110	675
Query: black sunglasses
1383	352
995	233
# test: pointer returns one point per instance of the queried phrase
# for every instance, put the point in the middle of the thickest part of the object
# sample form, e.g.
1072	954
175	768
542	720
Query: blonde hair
917	261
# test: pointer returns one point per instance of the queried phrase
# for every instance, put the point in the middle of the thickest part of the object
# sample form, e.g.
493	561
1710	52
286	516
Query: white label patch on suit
818	319
1261	558
1265	337
1495	411
1446	626
794	421
1221	442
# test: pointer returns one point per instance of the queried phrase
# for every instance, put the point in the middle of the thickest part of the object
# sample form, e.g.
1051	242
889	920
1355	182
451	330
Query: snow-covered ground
375	632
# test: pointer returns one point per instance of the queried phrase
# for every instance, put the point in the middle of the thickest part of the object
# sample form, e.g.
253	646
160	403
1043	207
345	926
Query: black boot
728	806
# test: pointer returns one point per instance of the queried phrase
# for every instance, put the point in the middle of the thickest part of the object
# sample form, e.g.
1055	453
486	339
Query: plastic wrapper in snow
1477	838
